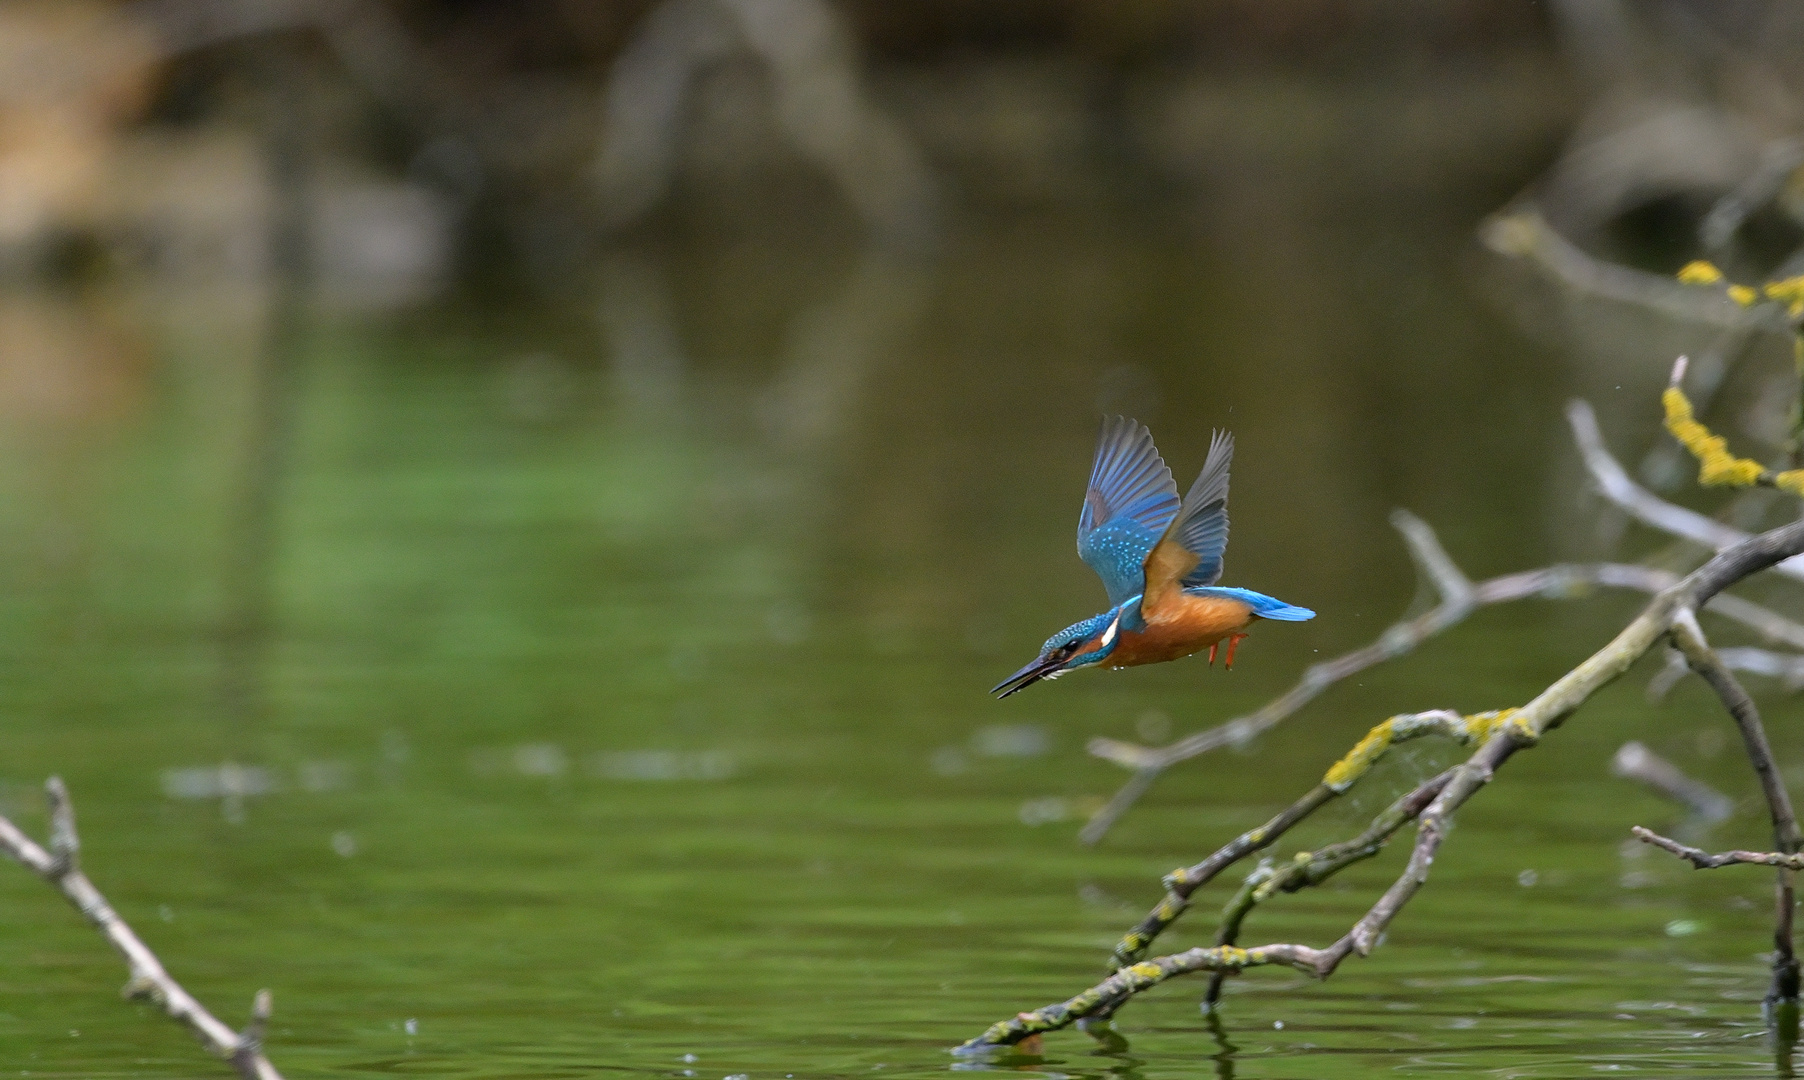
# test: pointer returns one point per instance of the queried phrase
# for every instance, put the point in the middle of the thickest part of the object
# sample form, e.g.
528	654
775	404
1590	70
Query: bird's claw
1233	640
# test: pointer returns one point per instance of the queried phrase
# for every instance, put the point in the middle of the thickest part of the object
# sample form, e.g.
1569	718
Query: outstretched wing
1130	501
1190	552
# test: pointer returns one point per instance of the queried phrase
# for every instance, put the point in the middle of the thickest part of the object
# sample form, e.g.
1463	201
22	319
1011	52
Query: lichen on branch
1717	467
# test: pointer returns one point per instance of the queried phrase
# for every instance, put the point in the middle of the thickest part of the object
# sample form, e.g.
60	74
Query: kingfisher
1159	558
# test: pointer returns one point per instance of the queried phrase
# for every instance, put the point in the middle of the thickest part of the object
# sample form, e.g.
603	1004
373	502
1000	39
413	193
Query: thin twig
1788	668
1311	868
1704	860
1182	882
1459	598
1634	761
1689	638
1643	505
1522	231
1508	732
1778	161
61	867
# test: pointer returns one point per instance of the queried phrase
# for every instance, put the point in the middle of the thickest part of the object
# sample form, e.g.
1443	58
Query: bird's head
1078	645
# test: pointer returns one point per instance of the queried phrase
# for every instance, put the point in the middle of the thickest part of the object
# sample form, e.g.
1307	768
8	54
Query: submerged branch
60	866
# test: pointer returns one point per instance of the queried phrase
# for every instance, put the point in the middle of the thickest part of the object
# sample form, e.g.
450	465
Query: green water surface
610	671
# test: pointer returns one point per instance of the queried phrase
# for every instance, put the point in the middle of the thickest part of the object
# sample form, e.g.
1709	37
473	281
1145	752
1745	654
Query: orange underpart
1184	624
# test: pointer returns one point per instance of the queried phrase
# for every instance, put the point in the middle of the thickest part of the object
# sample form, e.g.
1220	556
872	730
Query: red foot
1233	640
1212	653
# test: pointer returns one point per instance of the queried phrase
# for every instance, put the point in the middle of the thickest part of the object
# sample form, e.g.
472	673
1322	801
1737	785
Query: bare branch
1788	668
1634	761
1644	505
1341	776
60	867
1311	868
1458	598
1689	638
1778	161
1505	732
1180	883
1704	860
1524	232
1425	548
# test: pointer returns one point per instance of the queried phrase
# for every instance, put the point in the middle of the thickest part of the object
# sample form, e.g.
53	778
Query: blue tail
1266	607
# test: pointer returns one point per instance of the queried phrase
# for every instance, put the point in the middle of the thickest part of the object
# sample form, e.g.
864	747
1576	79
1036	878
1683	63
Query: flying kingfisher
1159	558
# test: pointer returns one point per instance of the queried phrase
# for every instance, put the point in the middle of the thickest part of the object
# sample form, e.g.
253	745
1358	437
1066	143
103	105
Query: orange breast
1182	625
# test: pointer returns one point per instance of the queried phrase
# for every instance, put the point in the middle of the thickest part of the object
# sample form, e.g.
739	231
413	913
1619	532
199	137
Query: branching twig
1314	867
1703	860
1643	505
61	867
1788	668
1689	638
1503	734
1182	882
1458	599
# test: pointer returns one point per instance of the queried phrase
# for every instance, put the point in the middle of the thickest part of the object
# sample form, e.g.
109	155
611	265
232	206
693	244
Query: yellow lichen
1716	466
1745	295
1403	727
1790	292
1700	273
1481	726
1341	774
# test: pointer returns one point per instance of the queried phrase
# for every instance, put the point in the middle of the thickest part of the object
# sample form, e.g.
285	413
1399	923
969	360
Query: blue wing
1266	607
1189	553
1130	502
1202	524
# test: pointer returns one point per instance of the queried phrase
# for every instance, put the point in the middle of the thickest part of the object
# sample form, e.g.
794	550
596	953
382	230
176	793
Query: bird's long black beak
1036	670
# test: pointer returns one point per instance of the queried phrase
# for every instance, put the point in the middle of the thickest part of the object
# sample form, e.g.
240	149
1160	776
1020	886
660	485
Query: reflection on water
623	693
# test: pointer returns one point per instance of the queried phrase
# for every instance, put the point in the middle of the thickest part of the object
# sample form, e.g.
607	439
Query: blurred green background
509	511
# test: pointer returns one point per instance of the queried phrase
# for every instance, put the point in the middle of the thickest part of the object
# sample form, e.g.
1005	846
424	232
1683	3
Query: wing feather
1129	503
1190	552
